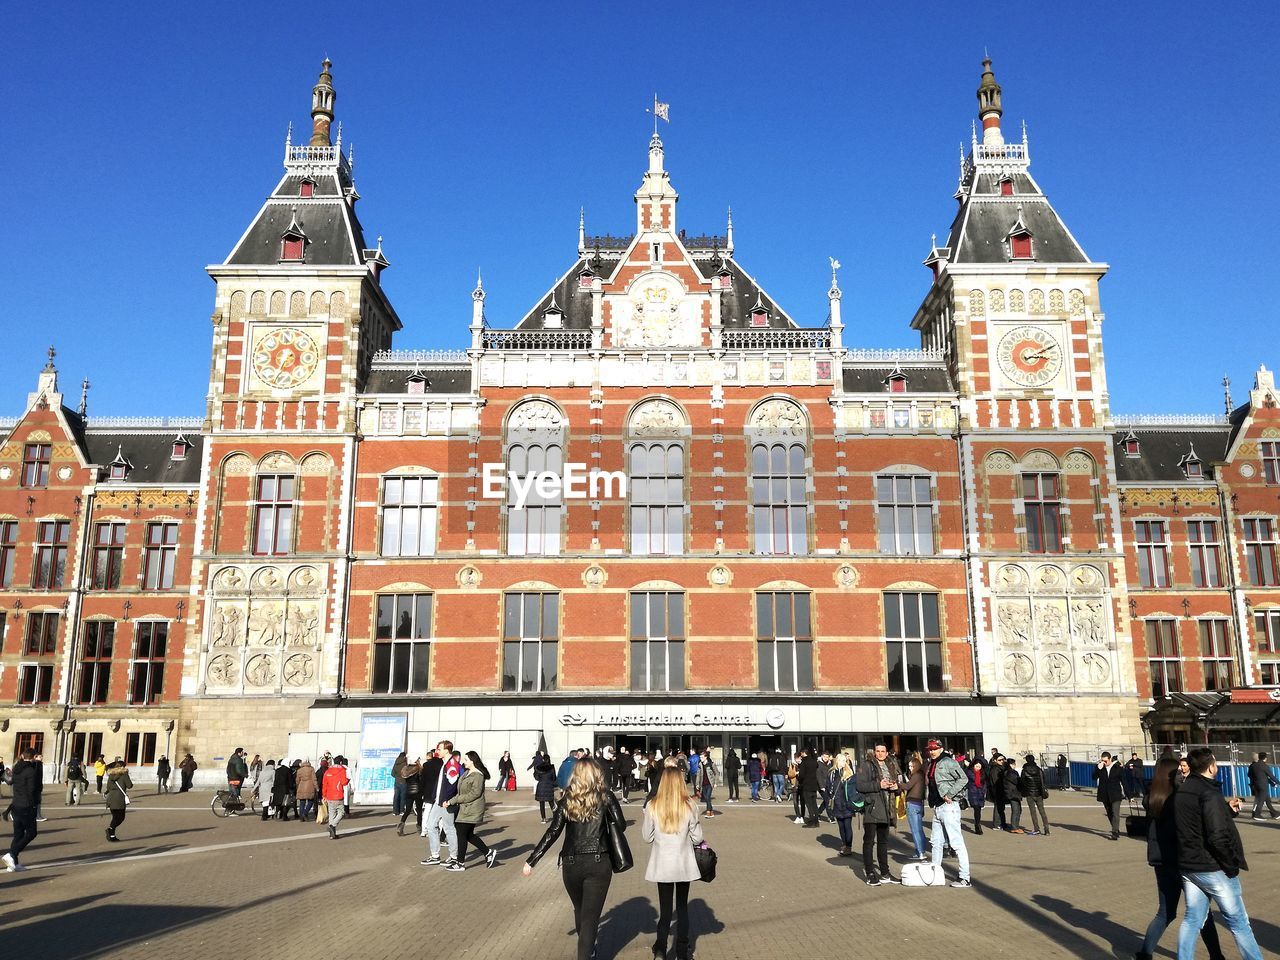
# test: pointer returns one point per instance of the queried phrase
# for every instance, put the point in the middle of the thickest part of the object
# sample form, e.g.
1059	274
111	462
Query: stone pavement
184	884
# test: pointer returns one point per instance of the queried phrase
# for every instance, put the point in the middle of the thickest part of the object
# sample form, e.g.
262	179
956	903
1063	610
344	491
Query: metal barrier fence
1082	761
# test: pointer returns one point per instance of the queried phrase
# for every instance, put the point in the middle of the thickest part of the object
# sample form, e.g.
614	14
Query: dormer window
1020	246
180	447
1192	468
585	278
307	189
759	315
291	248
416	383
118	469
1006	186
1131	446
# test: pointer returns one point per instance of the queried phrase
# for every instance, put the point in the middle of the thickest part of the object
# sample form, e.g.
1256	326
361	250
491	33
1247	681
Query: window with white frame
904	504
108	555
1151	537
656	478
139	748
1271	462
1215	654
409	506
35	683
657	640
1164	658
1266	635
779	502
1206	553
50	565
8	550
402	643
530	629
273	515
146	681
42	634
784	631
96	648
913	642
1260	550
159	556
1042	506
534	529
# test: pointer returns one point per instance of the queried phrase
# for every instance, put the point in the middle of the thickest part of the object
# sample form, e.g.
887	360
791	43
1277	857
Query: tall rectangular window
150	637
1215	654
1260	551
50	564
139	748
534	529
779	502
657	499
273	516
95	661
29	741
1266	634
42	634
8	550
409	516
784	629
530	629
35	464
913	642
1271	462
402	643
86	746
1043	505
35	683
1164	658
1206	553
905	508
160	556
657	641
108	555
1153	553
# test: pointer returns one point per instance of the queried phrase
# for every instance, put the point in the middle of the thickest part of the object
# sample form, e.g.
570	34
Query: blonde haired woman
671	828
581	815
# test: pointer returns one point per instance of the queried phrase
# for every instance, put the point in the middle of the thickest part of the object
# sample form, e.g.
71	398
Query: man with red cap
947	784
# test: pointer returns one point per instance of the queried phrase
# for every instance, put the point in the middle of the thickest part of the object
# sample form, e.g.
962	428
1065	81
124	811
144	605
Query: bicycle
225	803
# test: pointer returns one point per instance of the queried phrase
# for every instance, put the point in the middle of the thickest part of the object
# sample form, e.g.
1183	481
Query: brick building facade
817	542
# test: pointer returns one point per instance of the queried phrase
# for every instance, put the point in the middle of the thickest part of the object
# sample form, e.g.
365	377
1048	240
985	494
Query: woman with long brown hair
671	828
582	815
1162	855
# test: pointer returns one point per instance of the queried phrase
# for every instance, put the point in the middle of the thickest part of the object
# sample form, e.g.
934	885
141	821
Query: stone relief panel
1052	629
656	418
265	629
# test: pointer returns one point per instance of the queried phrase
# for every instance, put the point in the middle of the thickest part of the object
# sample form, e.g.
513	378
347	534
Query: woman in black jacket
732	768
1011	794
505	771
582	815
544	772
282	790
1162	855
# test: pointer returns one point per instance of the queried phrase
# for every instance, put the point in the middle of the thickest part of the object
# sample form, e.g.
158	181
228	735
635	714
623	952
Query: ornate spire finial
322	98
84	397
52	353
835	280
582	230
990	108
478	293
288	135
1226	394
728	233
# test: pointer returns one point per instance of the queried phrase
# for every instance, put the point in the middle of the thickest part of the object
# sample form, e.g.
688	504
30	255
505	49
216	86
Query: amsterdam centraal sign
676	719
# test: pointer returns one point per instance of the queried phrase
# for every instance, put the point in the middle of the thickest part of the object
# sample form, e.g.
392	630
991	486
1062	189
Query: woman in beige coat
671	828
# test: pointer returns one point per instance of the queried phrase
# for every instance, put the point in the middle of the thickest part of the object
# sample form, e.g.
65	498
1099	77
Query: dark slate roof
979	232
1161	451
871	379
149	451
395	380
575	303
329	221
290	187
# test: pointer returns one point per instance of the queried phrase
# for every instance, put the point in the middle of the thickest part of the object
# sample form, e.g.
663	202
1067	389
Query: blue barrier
1233	779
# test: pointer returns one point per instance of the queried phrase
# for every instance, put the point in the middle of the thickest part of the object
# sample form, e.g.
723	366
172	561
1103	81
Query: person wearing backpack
1035	793
777	770
755	773
73	779
845	801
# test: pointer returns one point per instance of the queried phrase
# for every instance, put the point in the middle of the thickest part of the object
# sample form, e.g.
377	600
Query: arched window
533	521
778	500
657	498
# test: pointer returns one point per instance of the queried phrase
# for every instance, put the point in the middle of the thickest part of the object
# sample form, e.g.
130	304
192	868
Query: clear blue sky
140	140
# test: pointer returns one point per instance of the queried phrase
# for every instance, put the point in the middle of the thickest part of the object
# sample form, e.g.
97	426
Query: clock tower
299	314
1014	306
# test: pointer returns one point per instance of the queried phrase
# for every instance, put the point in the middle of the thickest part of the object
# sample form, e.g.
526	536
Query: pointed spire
288	135
989	106
582	231
84	398
478	292
728	234
834	292
1226	394
322	98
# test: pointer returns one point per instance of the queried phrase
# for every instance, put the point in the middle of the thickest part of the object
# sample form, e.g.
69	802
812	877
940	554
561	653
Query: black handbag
619	849
706	858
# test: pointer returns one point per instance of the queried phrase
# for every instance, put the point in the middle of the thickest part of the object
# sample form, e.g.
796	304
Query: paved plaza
184	884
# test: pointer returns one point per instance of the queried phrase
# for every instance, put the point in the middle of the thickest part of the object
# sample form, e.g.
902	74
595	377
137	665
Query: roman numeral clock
1030	356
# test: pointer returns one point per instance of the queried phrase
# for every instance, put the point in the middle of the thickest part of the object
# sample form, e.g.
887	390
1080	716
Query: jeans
586	879
845	826
706	796
1039	819
501	783
399	797
755	789
73	793
1015	814
1224	891
875	834
915	820
438	818
779	786
233	787
24	829
998	820
162	785
1169	887
467	835
946	832
680	893
307	810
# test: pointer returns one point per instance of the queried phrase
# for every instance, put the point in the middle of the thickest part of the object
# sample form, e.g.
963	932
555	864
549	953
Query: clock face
285	358
1029	356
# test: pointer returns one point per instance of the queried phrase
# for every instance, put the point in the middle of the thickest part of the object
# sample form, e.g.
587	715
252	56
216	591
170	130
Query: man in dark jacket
1134	785
1031	783
1064	772
1210	857
1110	790
877	781
237	772
995	791
1260	779
732	773
807	785
27	790
777	770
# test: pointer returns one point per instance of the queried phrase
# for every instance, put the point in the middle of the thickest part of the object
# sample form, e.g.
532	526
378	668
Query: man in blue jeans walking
947	784
1210	857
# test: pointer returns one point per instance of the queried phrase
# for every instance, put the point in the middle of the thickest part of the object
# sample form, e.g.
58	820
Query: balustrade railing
536	339
776	339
